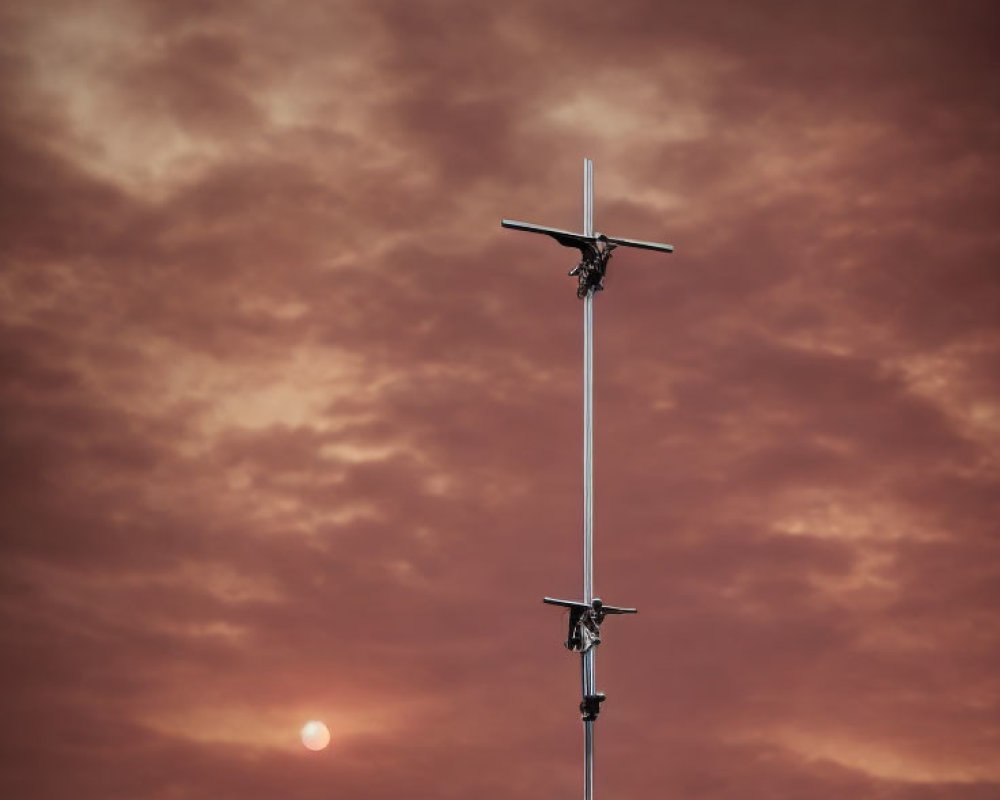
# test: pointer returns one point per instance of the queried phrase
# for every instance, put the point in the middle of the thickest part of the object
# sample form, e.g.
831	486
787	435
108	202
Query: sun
315	735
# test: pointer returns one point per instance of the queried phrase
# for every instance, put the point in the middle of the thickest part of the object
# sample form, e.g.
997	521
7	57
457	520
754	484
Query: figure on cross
595	252
585	621
593	265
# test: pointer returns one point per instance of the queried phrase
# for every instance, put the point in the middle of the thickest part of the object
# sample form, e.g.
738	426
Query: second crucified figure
585	621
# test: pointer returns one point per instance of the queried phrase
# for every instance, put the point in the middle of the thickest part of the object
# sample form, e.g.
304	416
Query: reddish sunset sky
291	427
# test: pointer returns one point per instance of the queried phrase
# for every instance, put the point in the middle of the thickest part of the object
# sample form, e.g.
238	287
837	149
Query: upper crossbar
558	232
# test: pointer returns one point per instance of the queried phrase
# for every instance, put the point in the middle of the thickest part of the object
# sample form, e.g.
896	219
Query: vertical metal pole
588	659
588	397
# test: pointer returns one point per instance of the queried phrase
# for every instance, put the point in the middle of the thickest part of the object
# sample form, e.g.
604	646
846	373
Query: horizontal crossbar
662	248
531	228
552	601
559	233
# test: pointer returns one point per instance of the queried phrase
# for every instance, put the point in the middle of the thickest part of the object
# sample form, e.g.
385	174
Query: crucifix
586	616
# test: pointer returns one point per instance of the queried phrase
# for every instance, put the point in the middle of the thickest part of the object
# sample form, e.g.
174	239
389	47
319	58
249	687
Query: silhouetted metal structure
586	616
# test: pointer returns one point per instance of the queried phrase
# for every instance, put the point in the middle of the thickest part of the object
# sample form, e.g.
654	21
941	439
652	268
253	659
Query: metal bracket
590	706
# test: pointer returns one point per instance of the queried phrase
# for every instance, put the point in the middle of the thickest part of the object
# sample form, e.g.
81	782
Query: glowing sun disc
315	735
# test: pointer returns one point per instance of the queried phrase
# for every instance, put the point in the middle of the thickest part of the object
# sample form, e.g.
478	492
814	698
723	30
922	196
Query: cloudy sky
291	427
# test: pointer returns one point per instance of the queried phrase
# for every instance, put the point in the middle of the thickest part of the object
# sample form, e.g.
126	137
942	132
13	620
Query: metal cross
585	617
